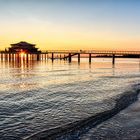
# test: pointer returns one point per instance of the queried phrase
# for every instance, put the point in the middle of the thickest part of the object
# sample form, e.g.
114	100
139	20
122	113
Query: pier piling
78	57
38	57
9	57
45	56
113	59
18	57
90	58
64	57
69	57
27	57
52	56
6	56
1	56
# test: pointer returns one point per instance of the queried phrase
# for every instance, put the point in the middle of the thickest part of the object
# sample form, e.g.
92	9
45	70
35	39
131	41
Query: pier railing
68	54
92	52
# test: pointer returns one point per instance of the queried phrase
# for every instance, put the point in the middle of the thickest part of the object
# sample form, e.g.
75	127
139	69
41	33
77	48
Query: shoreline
123	126
74	130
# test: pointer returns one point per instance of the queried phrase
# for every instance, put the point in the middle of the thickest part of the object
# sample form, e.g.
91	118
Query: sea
45	100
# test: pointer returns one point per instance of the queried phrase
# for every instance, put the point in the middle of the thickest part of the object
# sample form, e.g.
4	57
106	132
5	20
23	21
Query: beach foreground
123	126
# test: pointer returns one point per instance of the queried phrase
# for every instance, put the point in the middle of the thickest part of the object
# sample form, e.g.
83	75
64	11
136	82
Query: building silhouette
23	47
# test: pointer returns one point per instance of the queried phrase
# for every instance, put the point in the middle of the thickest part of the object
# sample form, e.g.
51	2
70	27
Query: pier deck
68	54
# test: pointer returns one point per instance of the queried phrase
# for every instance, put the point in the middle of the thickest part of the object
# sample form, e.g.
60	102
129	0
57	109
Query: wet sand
123	126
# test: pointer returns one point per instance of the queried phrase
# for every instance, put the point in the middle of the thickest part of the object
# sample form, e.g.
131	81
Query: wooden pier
66	55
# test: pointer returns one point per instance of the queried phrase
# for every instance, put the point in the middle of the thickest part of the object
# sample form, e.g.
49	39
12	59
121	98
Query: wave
73	130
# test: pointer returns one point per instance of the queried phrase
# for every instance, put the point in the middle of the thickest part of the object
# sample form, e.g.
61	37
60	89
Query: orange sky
66	38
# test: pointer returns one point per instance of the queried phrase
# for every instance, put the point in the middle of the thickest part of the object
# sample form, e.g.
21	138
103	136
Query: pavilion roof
22	43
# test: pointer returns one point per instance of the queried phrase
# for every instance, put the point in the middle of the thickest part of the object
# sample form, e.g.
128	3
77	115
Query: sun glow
22	54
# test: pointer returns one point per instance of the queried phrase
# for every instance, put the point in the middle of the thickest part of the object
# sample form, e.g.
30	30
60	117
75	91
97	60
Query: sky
71	24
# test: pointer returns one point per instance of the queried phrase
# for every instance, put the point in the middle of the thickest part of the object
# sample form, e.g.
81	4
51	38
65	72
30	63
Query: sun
22	54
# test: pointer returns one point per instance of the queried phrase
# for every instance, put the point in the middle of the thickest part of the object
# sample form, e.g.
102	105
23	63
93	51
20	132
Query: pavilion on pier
23	47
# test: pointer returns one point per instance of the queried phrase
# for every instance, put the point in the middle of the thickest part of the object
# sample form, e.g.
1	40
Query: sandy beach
123	126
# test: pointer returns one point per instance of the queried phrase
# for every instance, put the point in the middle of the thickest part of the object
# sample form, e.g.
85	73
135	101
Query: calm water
42	95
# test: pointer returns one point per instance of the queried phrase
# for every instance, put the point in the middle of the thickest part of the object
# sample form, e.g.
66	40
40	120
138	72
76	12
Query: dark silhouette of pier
26	51
66	55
